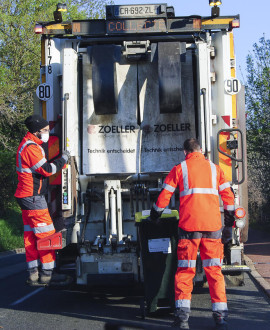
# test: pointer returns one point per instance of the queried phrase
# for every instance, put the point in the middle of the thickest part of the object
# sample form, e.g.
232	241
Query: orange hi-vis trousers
37	224
211	252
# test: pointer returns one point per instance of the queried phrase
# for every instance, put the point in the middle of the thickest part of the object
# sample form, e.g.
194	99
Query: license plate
136	11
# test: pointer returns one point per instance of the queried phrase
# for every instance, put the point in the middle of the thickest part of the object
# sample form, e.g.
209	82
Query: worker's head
192	145
38	126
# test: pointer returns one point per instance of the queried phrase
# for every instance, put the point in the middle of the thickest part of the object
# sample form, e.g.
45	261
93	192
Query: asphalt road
75	307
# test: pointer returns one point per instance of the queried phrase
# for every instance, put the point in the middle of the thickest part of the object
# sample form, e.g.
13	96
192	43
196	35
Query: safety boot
49	277
220	318
181	319
33	276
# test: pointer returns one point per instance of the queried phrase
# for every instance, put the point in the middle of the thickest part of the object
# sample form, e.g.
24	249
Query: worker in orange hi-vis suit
32	169
200	183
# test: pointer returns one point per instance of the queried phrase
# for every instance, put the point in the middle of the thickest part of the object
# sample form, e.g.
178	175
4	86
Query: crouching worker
32	169
200	183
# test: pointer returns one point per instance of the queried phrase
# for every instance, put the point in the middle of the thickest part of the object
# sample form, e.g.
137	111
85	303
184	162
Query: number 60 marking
232	86
44	92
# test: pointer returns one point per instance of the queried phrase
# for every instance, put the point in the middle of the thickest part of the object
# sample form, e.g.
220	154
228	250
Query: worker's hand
65	155
229	218
226	235
154	215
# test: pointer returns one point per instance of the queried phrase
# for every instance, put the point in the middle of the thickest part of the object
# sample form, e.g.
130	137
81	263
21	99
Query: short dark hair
192	145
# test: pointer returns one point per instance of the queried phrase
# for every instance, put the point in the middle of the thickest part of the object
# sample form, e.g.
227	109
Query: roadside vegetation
11	229
258	133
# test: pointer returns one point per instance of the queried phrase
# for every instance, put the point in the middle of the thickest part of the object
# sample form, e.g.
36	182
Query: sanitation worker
32	169
200	183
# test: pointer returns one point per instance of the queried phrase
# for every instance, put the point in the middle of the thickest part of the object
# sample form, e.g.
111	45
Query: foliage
258	129
8	180
11	230
20	57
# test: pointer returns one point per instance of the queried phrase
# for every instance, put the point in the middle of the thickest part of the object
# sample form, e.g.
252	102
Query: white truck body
122	95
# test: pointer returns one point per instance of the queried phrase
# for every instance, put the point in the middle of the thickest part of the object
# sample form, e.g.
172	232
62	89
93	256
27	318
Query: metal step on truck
122	94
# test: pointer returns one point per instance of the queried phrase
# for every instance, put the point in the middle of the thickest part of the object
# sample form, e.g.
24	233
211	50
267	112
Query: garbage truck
122	94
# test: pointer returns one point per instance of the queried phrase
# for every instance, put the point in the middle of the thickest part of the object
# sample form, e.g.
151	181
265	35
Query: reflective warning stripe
186	263
39	164
19	168
219	306
214	175
27	228
185	175
158	209
48	265
229	207
182	303
224	186
212	262
187	191
44	229
168	187
23	170
210	191
32	264
54	169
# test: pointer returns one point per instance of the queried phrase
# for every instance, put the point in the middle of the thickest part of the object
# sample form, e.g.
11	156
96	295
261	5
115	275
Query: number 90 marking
232	86
44	92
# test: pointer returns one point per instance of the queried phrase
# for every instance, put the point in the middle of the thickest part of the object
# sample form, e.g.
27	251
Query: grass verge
11	229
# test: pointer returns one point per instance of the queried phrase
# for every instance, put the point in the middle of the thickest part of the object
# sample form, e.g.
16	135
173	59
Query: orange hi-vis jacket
200	183
32	167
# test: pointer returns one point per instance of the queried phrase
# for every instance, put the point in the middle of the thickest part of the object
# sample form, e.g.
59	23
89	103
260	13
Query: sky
254	21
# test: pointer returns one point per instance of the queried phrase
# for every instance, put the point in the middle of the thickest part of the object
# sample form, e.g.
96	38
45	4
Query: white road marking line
26	297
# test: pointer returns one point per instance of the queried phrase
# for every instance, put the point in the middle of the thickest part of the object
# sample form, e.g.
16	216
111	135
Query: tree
258	128
20	60
20	57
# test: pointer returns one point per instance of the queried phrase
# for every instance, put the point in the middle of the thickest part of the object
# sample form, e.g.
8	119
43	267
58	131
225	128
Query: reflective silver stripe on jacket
219	306
32	264
54	170
186	263
43	229
187	191
182	303
224	186
210	191
19	168
214	175
168	187
158	209
229	207
27	228
48	265
185	175
212	262
39	164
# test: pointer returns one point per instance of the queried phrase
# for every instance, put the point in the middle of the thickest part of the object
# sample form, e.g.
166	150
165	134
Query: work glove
229	218
65	155
226	235
154	215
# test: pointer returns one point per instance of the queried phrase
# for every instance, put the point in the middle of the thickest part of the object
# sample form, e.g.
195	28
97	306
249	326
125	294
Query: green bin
158	251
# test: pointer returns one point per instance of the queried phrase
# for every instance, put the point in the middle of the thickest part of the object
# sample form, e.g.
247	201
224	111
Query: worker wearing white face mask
32	168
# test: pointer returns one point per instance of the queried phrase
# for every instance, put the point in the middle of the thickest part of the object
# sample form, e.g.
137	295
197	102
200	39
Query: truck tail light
235	23
38	29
